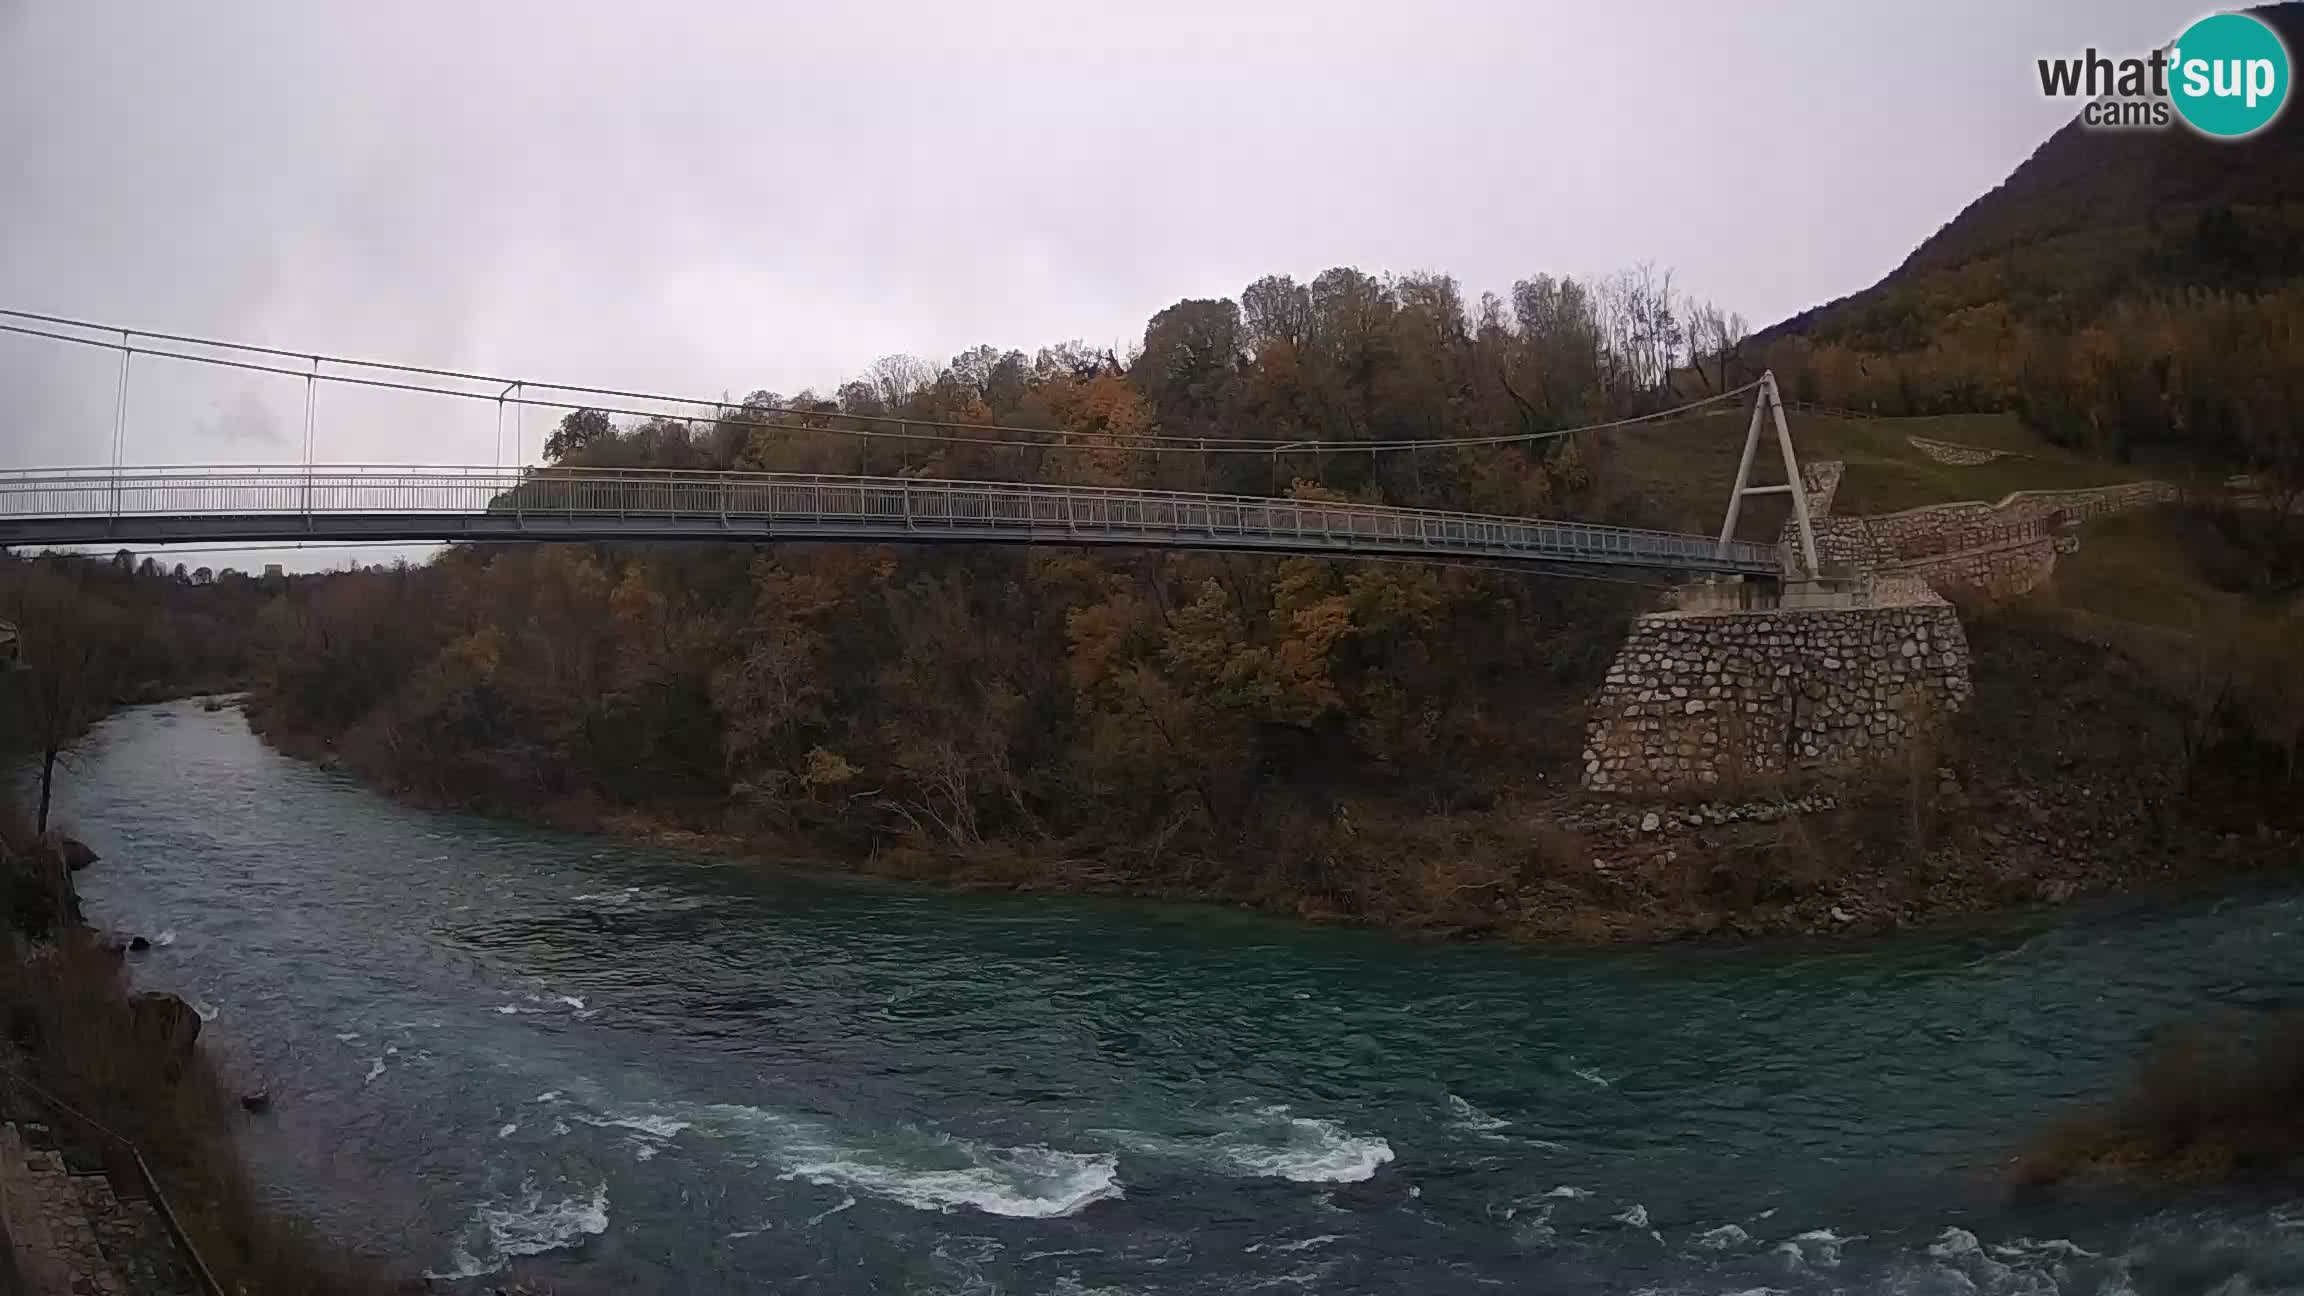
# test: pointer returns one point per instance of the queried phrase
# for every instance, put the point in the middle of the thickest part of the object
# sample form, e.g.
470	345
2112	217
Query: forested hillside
1208	721
2133	292
1384	740
91	634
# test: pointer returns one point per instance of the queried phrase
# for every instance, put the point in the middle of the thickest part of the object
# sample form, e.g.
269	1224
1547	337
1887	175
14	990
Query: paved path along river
501	1050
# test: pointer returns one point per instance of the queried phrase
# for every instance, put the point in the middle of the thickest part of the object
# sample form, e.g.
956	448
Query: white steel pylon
1768	404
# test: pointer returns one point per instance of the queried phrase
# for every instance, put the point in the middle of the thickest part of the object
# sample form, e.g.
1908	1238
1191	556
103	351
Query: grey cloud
248	421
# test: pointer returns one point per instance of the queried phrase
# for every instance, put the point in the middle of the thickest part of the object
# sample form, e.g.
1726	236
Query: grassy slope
1676	474
2156	585
2138	580
1885	472
2145	568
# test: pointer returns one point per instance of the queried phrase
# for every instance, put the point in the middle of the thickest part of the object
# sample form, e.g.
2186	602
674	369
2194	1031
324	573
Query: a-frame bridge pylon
1766	405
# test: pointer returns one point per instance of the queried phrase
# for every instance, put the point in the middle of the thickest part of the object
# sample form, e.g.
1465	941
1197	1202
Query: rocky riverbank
2067	776
88	1060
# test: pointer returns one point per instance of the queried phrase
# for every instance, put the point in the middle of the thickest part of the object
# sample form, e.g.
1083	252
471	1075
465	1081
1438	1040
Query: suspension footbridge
390	503
122	504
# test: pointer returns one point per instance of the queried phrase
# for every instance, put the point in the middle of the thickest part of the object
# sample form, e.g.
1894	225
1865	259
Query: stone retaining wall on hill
1941	529
1697	700
2001	570
1952	452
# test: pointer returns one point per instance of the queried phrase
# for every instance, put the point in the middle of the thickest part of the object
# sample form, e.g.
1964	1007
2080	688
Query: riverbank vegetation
94	634
1187	722
76	1030
1367	741
2208	1102
90	634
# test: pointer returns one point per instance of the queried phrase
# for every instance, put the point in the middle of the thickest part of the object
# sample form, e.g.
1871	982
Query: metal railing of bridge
165	504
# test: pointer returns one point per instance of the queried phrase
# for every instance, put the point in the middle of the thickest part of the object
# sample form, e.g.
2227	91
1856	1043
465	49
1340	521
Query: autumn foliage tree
958	701
577	430
1159	715
69	646
91	634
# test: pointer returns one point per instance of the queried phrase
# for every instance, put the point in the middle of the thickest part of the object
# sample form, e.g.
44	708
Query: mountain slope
2090	218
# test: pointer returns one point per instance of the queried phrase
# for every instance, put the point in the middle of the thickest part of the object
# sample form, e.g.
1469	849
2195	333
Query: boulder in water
76	853
168	1024
139	944
257	1102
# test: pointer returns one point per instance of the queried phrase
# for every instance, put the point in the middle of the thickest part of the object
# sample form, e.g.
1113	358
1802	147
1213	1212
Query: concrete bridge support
1699	701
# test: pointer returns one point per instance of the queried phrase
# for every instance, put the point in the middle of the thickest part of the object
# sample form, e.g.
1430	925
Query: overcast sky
717	198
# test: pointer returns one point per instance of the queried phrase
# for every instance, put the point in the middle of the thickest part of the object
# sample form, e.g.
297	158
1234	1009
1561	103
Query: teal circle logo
2228	75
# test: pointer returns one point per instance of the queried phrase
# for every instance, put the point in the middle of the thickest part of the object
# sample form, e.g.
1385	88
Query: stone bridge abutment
1705	700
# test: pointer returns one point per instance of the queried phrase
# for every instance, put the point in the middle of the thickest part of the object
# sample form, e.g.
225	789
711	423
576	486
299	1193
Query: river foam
1269	1142
1030	1182
529	1224
634	900
653	1125
1464	1115
923	1170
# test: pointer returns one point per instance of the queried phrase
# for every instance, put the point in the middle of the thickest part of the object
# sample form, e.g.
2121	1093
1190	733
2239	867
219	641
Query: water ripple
478	1035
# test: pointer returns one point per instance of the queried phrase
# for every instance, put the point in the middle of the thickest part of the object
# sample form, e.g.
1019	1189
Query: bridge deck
238	504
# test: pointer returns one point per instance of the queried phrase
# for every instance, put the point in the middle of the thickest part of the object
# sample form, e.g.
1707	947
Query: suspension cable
748	414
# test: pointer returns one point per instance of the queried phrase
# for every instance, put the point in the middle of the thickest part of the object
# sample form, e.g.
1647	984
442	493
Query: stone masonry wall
2001	570
1952	452
1700	698
1823	482
1696	700
1940	529
1821	479
1846	541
